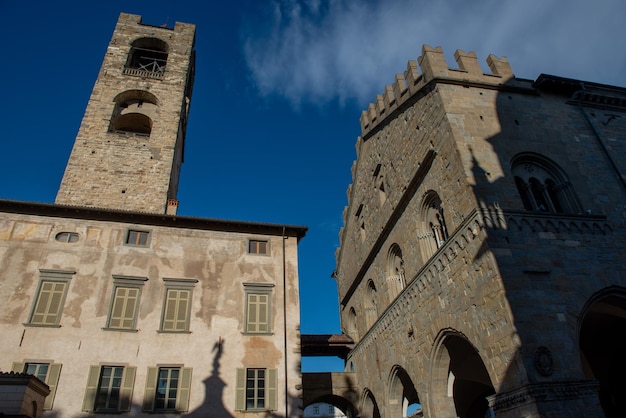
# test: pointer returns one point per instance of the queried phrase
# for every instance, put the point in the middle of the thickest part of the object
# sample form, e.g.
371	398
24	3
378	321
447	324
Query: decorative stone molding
543	361
543	392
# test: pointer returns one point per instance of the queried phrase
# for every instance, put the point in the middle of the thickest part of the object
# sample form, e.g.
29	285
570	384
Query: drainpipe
285	325
598	137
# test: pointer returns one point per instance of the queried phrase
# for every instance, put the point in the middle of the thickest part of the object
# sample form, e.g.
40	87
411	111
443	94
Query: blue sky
279	89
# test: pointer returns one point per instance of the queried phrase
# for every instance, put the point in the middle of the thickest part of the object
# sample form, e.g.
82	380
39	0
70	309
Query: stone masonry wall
512	283
132	172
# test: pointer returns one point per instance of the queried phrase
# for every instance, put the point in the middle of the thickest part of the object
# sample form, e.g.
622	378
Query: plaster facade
483	241
124	308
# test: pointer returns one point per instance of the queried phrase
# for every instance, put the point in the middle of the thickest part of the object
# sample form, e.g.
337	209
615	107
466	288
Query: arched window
147	58
352	324
133	112
371	313
433	224
395	271
542	185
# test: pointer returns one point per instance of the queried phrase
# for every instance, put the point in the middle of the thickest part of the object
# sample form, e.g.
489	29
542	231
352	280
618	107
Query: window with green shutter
109	389
258	308
167	389
50	298
46	372
256	389
125	302
177	305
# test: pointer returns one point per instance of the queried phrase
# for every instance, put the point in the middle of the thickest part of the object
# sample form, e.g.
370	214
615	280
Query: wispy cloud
319	51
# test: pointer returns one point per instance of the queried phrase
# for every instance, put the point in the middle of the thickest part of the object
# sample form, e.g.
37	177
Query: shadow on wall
544	212
212	406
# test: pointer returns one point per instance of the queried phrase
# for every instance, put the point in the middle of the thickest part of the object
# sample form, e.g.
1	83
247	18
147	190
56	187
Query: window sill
119	329
160	331
26	324
257	333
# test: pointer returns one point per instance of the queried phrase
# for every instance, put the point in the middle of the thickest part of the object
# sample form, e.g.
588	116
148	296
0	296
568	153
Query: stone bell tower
129	148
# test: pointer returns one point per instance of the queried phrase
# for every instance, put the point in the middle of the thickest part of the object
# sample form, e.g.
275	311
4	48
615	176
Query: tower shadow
213	405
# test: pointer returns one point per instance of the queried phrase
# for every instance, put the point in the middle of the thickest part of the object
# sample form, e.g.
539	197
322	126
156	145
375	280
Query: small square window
258	247
138	238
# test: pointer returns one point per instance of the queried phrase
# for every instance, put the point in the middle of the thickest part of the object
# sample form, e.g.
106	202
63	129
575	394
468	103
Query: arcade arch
460	382
602	343
369	407
402	393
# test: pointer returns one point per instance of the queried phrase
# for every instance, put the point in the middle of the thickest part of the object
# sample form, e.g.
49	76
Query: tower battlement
433	66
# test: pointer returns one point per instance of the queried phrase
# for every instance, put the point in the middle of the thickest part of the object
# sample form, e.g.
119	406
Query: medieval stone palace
481	269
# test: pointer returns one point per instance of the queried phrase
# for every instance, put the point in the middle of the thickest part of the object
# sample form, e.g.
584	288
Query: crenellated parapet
433	66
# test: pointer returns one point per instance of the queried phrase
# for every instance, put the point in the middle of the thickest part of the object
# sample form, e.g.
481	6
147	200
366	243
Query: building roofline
569	86
172	221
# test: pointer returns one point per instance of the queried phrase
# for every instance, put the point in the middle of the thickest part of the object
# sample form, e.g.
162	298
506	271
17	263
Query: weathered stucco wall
215	345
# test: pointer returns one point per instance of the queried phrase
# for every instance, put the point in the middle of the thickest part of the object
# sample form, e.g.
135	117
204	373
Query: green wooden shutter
272	389
48	306
184	389
92	388
18	367
263	316
240	393
52	379
176	310
124	307
126	391
183	309
150	392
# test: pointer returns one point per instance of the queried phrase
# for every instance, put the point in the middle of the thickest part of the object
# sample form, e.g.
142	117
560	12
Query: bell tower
129	148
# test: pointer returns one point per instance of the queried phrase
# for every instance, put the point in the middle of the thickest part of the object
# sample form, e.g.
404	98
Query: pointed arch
396	280
602	344
460	383
401	392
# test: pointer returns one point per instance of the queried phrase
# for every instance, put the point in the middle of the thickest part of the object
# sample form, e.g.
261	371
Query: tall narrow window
396	280
177	305
256	389
109	389
258	308
46	372
433	228
167	389
50	298
125	302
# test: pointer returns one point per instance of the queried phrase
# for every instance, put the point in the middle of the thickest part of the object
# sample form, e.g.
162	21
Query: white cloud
318	51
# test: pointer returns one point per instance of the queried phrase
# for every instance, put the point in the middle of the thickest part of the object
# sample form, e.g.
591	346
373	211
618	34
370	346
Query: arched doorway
602	342
460	380
402	396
